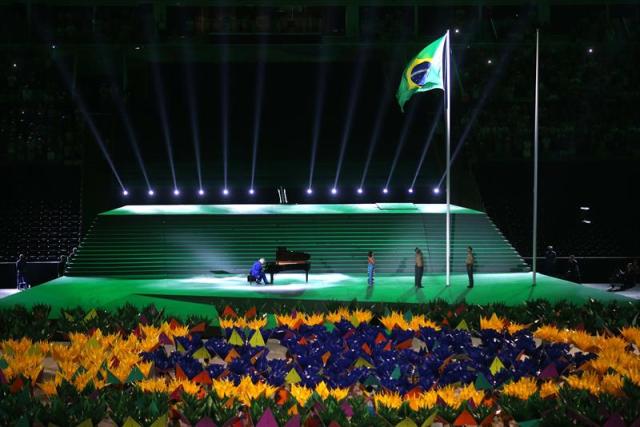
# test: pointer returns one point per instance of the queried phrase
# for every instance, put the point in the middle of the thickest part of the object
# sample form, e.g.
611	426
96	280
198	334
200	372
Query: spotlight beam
46	34
403	137
84	111
258	110
320	92
486	93
224	107
427	144
122	110
357	81
193	110
375	136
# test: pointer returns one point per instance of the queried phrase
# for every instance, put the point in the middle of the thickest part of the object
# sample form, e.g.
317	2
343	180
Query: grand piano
287	260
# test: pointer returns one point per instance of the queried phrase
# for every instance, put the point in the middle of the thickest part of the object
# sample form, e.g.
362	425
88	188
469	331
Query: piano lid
283	254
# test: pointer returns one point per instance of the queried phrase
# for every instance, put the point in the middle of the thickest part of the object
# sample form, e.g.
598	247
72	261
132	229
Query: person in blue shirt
257	271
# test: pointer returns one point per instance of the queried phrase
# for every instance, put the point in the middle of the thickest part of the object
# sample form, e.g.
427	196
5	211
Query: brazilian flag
424	72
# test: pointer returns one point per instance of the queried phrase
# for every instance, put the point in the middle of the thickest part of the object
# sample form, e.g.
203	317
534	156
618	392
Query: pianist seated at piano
257	271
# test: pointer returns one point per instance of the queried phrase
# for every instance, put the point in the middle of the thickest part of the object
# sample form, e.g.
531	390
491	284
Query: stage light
125	192
15	65
309	191
590	50
385	190
176	192
201	192
410	191
586	221
53	46
225	191
457	31
359	190
436	190
334	191
584	208
489	61
252	191
150	192
137	47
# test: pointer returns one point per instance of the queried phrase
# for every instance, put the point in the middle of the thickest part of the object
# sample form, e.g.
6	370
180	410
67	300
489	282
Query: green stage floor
195	295
304	209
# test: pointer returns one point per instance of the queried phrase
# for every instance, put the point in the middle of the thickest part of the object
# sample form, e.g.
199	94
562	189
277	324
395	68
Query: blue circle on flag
420	72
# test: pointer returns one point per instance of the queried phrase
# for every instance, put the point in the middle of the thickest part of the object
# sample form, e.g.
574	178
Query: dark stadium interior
65	62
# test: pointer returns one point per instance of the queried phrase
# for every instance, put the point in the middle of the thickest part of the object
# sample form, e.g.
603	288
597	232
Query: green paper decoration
90	315
407	422
408	315
329	326
130	422
496	366
272	322
362	362
161	421
112	379
256	339
235	338
462	326
135	375
396	373
482	383
201	353
292	377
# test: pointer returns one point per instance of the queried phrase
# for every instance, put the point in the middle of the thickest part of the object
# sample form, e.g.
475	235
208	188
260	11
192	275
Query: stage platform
196	295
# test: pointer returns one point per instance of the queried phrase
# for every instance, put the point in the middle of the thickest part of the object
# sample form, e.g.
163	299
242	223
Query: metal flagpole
448	120
535	167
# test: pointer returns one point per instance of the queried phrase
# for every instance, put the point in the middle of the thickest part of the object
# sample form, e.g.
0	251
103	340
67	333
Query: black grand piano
287	260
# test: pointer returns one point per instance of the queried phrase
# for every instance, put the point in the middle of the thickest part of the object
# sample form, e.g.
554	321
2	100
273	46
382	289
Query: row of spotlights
334	191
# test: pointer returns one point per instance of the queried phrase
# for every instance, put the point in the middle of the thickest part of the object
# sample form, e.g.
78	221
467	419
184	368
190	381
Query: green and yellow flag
424	72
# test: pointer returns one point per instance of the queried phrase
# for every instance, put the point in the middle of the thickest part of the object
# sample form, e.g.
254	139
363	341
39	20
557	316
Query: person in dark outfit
419	268
550	261
21	264
371	268
469	262
62	264
573	269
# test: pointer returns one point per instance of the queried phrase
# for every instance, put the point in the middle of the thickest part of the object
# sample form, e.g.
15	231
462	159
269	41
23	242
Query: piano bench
251	279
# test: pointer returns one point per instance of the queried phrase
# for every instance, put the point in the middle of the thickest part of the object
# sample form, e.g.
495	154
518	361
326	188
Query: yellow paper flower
425	400
589	381
322	390
301	393
313	319
388	399
49	387
469	392
549	389
224	388
153	385
339	393
550	334
450	396
188	386
612	384
631	334
521	389
362	316
495	323
515	327
256	324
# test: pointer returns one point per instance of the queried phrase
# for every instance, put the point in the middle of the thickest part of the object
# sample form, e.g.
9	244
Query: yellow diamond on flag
130	422
462	326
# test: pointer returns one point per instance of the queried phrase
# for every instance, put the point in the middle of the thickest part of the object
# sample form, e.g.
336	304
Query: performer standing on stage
419	268
257	271
371	267
469	262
